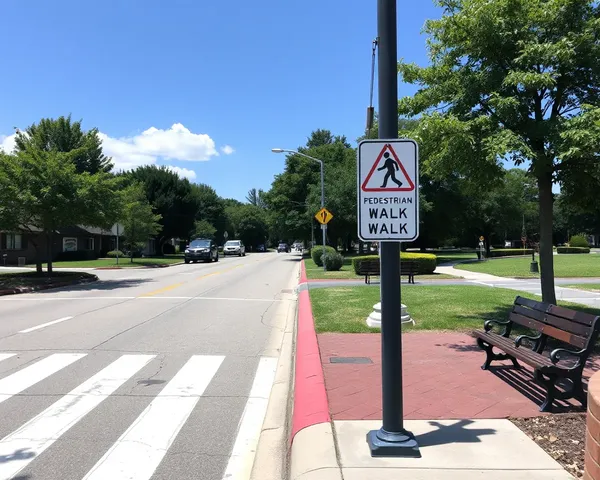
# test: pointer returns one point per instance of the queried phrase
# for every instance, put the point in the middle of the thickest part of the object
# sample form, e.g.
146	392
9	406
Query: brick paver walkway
442	379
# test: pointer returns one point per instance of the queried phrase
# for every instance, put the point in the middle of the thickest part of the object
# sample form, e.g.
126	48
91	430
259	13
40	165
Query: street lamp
324	226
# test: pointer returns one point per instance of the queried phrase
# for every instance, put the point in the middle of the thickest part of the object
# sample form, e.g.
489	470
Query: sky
207	88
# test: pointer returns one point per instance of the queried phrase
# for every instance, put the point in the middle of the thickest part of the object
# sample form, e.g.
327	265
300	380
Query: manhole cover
350	360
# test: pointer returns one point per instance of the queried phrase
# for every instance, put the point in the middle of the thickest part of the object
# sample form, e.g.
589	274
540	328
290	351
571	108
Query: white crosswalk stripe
140	449
142	445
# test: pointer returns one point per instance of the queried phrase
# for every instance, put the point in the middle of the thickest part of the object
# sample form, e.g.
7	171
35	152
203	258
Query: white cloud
7	143
175	143
183	172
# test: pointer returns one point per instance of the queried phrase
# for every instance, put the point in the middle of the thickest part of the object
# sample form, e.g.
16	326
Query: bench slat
579	317
549	330
558	322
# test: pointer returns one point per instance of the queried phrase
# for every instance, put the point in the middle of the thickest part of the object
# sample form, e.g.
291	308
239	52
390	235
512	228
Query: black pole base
393	444
533	268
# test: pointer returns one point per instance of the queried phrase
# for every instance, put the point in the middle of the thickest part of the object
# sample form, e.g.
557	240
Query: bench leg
489	353
578	392
515	363
549	384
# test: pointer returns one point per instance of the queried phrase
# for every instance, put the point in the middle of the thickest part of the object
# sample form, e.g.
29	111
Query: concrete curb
140	267
14	291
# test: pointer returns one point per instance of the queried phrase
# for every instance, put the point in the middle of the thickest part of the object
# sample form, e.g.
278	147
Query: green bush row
509	252
426	261
572	250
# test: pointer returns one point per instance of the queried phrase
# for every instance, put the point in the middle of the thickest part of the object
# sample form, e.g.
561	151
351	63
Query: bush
114	253
572	250
317	252
426	261
333	261
168	249
578	241
509	252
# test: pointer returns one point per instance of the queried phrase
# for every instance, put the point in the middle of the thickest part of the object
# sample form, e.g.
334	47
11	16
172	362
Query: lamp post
324	226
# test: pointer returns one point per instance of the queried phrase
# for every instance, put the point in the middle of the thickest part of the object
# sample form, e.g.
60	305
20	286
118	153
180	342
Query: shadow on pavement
455	433
100	285
21	454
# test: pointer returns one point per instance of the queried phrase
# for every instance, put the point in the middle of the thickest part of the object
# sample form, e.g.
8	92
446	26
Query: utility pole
392	440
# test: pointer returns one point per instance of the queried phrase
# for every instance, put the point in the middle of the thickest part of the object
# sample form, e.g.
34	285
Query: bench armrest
557	353
520	338
487	326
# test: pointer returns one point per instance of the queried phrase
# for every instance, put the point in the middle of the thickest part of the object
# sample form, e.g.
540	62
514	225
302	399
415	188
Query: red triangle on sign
390	185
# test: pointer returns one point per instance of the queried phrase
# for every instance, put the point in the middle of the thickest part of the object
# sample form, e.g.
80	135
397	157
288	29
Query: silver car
234	247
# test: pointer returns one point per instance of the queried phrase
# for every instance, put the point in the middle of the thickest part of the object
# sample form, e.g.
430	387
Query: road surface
148	374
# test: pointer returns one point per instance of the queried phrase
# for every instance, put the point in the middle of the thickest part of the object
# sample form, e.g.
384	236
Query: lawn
449	307
112	262
32	279
447	257
575	265
313	272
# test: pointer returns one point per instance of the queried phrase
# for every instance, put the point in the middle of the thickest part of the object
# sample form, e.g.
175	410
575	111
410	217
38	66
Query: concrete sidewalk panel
450	445
431	474
313	450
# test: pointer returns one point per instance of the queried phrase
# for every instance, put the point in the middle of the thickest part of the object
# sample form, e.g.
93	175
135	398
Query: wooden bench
576	333
370	268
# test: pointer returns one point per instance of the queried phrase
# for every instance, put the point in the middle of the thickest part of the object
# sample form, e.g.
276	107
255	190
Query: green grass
591	287
112	262
574	265
313	272
450	307
32	279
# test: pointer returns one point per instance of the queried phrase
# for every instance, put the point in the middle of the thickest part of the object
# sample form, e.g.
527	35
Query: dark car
201	249
283	247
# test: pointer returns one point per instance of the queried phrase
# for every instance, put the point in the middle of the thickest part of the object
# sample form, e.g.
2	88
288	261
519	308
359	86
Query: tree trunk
49	238
546	251
38	258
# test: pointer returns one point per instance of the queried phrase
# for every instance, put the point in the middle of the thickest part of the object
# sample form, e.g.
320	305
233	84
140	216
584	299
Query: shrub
572	250
168	249
114	253
333	261
509	252
317	252
578	241
426	261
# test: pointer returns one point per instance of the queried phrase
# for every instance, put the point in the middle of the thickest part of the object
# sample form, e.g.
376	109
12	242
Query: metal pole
323	227
392	440
117	243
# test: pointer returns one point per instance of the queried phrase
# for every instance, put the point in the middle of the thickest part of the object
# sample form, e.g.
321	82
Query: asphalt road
148	374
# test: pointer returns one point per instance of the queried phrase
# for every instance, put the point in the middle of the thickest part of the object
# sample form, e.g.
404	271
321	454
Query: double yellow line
177	285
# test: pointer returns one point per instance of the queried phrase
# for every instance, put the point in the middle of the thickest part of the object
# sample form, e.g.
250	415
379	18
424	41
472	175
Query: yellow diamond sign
323	216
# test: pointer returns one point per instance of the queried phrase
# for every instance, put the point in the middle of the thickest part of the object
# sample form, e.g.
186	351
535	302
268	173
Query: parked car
283	247
234	247
261	248
201	249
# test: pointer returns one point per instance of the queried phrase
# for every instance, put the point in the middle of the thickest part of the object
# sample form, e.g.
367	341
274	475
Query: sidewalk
458	412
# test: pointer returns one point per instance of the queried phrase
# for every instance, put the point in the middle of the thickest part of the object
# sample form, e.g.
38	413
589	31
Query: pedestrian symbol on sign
387	161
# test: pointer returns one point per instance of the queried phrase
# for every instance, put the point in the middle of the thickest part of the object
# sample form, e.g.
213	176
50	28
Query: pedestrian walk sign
324	216
387	166
388	190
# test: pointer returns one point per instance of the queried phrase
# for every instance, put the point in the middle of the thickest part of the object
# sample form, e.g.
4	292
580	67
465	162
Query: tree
62	135
204	229
138	218
44	192
509	78
210	207
247	223
256	197
171	197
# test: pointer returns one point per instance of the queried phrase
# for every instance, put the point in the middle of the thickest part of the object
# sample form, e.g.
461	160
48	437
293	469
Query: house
68	243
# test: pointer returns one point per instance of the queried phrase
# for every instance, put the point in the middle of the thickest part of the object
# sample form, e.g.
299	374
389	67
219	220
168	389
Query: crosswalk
143	443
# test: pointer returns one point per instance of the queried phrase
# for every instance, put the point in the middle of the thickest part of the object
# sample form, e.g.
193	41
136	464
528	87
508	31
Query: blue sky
245	75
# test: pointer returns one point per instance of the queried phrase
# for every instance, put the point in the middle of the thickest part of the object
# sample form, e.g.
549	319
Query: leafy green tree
247	223
44	192
63	135
210	208
509	78
171	197
204	229
256	197
138	218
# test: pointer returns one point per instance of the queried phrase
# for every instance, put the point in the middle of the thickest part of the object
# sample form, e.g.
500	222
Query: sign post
324	216
388	212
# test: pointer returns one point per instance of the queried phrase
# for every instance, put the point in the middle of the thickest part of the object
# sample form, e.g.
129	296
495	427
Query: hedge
113	254
426	261
333	261
572	250
317	253
508	252
578	241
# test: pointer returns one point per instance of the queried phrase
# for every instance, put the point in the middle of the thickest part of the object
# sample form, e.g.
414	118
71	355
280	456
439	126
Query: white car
234	247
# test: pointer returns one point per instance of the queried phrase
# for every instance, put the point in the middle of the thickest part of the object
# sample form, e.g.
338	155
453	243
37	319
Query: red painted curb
310	398
303	277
